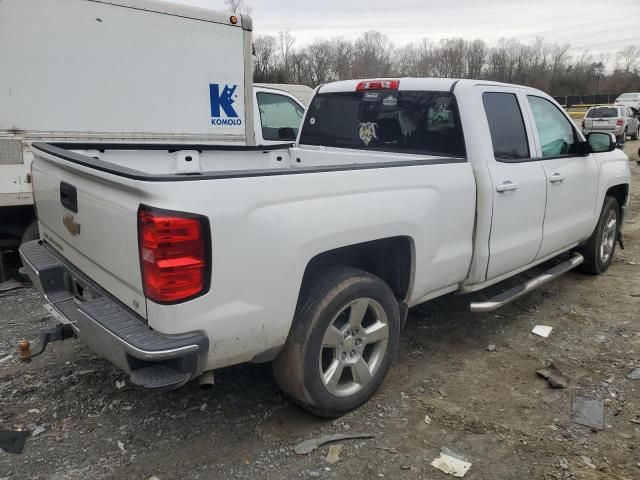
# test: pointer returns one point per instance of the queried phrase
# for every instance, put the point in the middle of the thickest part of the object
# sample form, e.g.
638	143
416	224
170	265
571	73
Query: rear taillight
620	121
378	85
174	254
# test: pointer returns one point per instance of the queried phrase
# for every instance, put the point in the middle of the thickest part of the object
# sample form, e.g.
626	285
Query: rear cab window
410	122
603	112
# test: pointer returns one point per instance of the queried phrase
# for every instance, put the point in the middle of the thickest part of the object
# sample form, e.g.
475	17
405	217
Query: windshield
603	112
628	96
415	122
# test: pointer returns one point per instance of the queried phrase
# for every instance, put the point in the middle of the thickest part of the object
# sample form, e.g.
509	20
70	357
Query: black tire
31	232
324	299
621	139
636	135
594	261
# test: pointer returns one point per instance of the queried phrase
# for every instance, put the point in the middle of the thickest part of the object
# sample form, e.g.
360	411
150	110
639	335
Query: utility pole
598	70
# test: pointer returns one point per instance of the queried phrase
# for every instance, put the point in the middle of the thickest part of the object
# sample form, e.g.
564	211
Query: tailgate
90	218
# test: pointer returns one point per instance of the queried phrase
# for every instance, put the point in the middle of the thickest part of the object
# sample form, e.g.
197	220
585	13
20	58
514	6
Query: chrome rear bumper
153	360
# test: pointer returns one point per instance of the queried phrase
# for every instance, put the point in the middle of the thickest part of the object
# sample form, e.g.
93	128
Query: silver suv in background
620	121
631	100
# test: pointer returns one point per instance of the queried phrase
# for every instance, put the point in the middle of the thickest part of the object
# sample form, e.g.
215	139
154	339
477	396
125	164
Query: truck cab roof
412	83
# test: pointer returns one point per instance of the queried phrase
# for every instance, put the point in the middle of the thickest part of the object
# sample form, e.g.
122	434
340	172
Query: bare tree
238	7
476	56
341	58
547	66
450	60
372	56
265	64
319	57
407	60
629	56
286	42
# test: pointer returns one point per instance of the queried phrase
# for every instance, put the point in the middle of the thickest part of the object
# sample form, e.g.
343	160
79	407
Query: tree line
550	67
547	66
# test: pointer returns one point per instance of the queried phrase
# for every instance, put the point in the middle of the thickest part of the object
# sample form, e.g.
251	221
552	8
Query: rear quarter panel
266	229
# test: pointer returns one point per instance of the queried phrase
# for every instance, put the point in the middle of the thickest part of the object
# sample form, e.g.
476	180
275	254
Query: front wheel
342	342
599	250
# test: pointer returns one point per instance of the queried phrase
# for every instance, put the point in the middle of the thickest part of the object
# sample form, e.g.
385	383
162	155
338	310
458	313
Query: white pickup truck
174	261
126	71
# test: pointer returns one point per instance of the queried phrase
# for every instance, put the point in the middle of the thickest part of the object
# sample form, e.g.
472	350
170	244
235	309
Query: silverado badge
72	226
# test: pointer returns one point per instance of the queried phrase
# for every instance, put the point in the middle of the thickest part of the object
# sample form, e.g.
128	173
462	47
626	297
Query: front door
519	185
278	117
572	178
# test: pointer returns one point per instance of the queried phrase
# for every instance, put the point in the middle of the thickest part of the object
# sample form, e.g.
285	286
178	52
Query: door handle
556	178
507	186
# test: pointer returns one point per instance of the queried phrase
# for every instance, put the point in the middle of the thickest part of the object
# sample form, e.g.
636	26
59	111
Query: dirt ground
489	406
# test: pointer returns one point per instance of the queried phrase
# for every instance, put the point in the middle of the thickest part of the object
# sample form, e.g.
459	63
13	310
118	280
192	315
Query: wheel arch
392	259
621	193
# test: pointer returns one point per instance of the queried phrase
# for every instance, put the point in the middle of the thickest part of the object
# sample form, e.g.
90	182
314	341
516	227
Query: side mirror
601	142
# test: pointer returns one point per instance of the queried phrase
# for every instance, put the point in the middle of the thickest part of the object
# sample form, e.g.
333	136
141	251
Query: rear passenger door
572	177
518	184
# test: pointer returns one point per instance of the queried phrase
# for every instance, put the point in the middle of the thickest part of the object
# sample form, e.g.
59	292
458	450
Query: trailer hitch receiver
55	334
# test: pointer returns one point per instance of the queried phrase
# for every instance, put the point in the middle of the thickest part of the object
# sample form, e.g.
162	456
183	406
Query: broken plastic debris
333	455
451	463
588	412
308	446
554	376
120	384
542	330
588	462
38	430
427	420
121	446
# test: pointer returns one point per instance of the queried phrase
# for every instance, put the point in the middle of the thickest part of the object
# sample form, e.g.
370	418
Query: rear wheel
636	135
599	250
342	342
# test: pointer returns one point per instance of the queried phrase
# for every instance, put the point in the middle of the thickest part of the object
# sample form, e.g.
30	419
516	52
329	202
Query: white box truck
137	71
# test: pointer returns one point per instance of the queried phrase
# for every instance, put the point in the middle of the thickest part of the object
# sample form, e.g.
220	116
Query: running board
519	290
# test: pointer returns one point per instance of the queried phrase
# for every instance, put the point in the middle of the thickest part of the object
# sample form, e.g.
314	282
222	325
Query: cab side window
280	117
556	132
508	134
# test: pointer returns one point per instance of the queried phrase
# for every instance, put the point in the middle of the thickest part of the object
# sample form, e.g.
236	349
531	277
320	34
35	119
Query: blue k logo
222	100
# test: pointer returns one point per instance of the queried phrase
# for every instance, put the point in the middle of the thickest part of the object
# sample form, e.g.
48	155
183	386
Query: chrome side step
519	290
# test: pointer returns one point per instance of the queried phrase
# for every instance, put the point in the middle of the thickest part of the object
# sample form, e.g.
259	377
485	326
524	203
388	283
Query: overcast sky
596	25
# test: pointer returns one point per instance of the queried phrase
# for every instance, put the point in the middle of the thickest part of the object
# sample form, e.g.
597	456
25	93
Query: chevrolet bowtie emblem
72	226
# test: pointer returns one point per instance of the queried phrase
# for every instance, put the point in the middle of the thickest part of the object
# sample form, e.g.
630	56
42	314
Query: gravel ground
473	376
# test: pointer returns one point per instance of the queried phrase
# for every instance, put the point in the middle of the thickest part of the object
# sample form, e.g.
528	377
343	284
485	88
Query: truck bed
271	212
